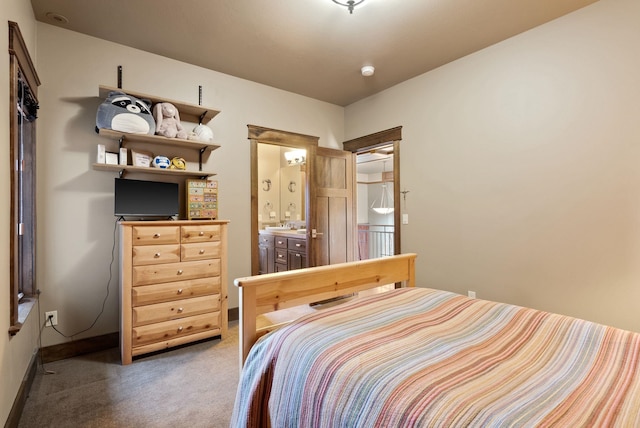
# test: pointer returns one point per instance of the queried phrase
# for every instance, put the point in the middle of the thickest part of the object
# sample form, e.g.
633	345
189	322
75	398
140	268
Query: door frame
260	134
375	140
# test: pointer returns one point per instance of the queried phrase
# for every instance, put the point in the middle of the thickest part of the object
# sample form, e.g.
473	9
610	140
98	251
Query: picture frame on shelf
141	157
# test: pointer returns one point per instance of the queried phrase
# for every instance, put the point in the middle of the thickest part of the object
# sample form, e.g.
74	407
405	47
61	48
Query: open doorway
378	192
375	207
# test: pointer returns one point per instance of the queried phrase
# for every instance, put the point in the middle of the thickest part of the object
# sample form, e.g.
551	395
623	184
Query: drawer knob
179	329
180	310
180	272
297	255
201	233
156	255
179	290
280	242
201	251
157	235
298	245
280	256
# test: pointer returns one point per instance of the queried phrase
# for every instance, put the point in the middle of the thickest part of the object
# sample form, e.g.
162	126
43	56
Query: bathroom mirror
281	189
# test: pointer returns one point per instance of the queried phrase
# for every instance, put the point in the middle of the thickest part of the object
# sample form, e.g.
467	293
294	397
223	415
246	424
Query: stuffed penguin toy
125	113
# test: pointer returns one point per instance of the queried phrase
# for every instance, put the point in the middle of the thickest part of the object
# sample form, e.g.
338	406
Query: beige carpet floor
192	386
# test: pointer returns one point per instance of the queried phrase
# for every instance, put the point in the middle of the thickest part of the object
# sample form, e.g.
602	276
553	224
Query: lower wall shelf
151	170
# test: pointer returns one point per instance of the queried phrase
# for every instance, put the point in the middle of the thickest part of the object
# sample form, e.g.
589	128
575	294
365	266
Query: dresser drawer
169	272
200	251
200	233
156	293
281	256
155	254
280	242
298	245
154	235
168	330
177	309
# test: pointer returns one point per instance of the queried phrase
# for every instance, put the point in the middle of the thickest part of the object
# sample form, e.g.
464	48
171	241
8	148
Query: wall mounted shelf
150	170
156	139
188	113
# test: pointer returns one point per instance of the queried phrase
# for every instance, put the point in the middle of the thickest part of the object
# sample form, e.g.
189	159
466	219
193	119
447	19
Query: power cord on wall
104	302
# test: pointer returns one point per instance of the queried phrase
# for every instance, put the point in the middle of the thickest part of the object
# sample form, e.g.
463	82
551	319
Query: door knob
315	234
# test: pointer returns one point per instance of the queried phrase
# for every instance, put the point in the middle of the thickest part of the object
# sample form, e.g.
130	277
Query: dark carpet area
193	386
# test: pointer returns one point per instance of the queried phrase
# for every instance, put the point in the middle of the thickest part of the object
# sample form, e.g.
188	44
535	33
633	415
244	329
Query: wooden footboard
262	294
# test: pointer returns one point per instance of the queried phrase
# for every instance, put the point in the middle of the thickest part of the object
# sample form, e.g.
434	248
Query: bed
414	357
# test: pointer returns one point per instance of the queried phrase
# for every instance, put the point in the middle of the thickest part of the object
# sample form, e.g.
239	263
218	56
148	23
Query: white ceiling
310	47
377	166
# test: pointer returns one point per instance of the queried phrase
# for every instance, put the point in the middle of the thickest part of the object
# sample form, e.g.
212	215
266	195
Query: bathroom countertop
293	233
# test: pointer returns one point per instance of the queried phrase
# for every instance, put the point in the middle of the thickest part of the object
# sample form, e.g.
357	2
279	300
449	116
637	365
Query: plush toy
168	121
122	112
161	162
201	133
178	163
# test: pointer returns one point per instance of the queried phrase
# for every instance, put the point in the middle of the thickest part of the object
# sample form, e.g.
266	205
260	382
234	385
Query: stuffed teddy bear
125	113
168	121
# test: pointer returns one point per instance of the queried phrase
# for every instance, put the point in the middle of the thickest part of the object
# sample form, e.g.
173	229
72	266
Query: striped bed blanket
417	357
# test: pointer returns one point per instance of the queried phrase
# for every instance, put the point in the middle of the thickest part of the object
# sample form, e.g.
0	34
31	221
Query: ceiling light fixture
367	70
349	4
60	19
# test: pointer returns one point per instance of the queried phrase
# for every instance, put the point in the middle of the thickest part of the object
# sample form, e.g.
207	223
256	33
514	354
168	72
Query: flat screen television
146	199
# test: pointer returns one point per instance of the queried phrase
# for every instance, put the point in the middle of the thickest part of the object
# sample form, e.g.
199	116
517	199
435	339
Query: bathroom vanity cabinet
281	251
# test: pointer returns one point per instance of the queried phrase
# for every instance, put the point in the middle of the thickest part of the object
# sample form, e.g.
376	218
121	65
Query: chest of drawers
173	284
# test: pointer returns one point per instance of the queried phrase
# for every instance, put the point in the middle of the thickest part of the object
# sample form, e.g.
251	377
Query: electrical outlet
54	318
471	294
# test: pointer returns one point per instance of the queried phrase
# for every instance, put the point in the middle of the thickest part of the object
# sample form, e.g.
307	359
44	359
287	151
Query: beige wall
75	211
523	166
16	351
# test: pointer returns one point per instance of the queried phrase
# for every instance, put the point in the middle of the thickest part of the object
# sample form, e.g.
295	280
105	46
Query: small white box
101	154
111	158
123	156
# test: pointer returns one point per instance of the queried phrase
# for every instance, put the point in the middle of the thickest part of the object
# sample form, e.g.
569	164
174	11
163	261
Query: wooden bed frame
268	293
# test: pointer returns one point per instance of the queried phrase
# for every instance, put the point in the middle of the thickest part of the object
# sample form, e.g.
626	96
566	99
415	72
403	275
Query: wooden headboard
271	292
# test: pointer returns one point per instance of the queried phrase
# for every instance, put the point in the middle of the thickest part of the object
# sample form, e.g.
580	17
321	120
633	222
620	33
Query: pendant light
386	201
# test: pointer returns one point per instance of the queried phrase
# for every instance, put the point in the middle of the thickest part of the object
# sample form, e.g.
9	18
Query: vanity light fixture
295	157
349	4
